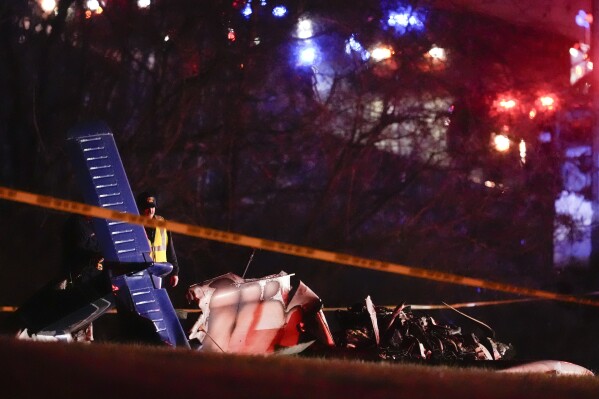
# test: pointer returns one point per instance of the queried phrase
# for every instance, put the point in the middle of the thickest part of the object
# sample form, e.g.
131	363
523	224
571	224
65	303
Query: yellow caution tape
281	247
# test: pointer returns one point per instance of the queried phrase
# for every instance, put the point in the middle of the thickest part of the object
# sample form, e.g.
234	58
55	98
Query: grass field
50	370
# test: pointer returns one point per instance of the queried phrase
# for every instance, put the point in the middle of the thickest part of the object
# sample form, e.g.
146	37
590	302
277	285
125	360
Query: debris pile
401	334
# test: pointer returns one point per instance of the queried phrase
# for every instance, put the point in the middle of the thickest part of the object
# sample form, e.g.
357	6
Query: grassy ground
34	370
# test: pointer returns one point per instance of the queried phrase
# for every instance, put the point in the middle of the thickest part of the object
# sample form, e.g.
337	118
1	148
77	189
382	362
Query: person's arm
171	257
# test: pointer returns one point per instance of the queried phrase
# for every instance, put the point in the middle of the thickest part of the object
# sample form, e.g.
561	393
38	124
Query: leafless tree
384	159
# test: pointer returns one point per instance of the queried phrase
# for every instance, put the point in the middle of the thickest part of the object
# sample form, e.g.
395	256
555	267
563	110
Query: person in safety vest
161	241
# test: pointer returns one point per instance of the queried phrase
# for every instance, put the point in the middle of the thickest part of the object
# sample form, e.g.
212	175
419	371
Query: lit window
507	103
437	53
501	142
547	102
93	5
48	5
247	10
403	19
279	11
304	29
381	53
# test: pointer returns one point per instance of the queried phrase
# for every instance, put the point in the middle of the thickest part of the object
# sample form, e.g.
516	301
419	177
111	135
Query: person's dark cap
146	200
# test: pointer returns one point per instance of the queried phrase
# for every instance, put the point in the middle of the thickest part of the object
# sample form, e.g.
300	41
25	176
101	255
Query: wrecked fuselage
257	316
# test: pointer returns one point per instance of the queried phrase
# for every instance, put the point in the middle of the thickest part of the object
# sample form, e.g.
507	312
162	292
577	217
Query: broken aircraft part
411	336
256	316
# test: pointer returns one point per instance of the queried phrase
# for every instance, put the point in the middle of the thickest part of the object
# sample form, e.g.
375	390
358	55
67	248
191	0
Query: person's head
146	203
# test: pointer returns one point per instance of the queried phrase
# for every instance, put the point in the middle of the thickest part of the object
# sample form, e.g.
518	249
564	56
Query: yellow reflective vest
159	245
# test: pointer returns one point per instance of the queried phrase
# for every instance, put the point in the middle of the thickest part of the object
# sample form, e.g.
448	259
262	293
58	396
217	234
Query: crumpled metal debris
401	334
265	316
256	316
